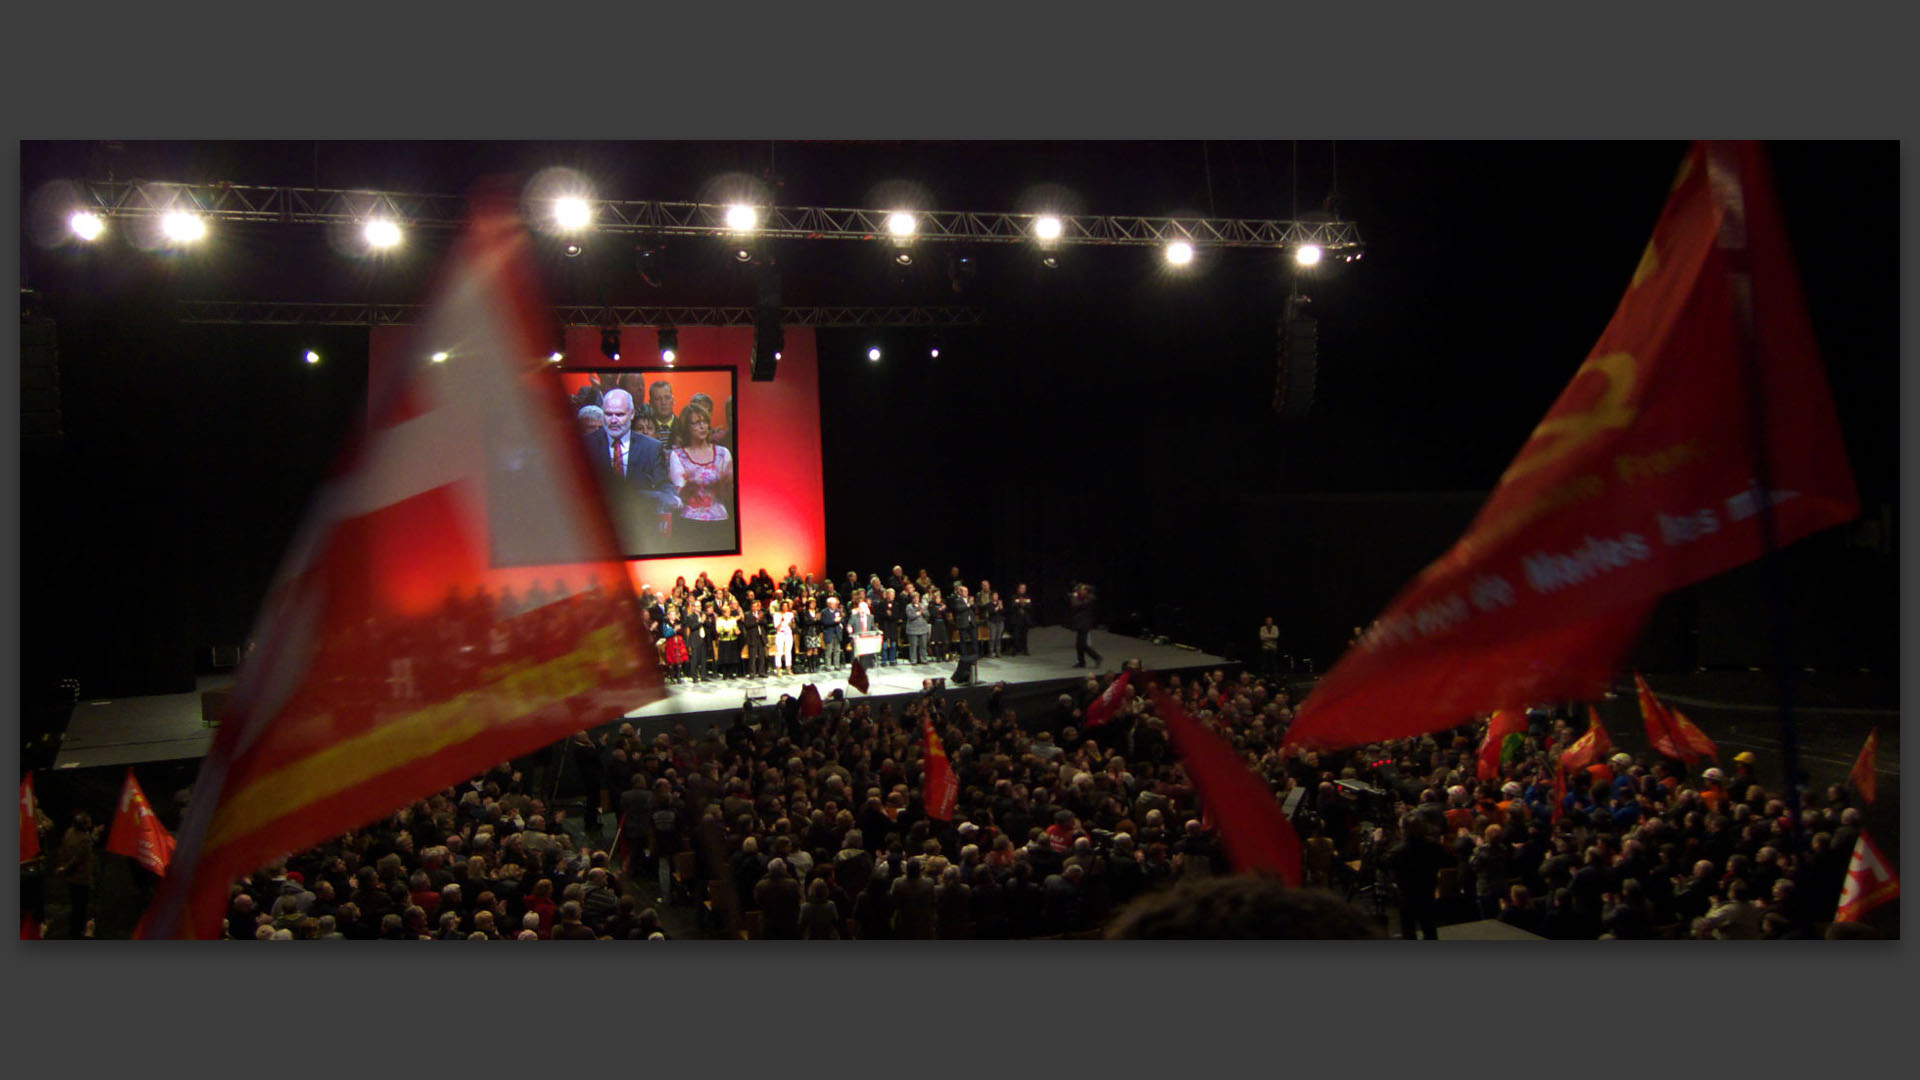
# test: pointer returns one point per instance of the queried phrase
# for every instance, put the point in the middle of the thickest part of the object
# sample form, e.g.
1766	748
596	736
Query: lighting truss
328	206
300	313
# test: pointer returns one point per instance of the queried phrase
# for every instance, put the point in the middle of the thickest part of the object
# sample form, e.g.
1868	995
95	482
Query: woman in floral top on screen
701	471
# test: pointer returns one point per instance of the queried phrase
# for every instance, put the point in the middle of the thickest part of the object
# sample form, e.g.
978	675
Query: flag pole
1734	186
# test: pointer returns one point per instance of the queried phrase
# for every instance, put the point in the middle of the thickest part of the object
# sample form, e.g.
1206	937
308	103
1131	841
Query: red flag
1870	882
810	703
385	670
1638	481
29	821
857	678
1864	776
1588	748
1256	835
1101	709
137	833
1669	730
1505	722
942	785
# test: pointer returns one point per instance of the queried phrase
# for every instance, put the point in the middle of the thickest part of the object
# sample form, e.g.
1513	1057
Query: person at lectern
633	471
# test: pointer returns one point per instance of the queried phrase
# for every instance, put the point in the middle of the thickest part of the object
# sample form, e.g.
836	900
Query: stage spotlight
312	357
572	212
903	258
1051	262
439	358
182	227
610	342
1307	255
934	353
1048	228
555	357
743	254
1179	253
873	354
669	344
382	234
572	251
901	223
741	218
86	225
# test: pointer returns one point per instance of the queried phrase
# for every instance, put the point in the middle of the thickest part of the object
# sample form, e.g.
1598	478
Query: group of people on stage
669	476
756	627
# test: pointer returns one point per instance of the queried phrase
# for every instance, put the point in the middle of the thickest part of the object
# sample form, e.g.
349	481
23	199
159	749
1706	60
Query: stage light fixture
742	218
312	357
1050	261
743	254
901	223
610	342
1048	227
934	352
555	357
1179	253
439	358
572	212
903	258
873	354
572	251
86	225
1307	254
182	227
381	234
669	344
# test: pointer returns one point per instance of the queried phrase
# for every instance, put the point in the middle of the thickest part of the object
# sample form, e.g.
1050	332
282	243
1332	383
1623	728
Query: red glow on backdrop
782	517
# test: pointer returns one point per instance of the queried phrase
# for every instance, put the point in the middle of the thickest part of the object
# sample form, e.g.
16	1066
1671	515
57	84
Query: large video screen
663	446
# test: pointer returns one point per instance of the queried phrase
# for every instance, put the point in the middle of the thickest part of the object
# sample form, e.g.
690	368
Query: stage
170	727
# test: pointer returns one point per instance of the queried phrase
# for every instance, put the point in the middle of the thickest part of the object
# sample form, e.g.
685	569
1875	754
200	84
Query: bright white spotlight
381	234
902	223
668	356
182	227
934	352
1307	255
312	357
554	358
1048	228
1179	253
742	218
86	225
439	358
572	212
874	355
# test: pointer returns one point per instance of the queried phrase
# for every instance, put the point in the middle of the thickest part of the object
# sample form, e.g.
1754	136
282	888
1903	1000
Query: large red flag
1864	775
137	832
1639	480
1870	882
942	785
1669	730
857	678
1254	831
385	670
1101	709
29	821
1505	722
1588	748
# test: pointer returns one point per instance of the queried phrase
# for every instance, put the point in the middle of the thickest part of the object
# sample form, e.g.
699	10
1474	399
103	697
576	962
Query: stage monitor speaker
963	672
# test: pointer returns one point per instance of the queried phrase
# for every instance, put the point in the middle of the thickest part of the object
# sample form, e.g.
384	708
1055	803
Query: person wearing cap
1713	790
1743	770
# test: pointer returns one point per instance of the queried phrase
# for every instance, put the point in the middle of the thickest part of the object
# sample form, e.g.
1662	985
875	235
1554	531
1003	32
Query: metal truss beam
300	313
330	206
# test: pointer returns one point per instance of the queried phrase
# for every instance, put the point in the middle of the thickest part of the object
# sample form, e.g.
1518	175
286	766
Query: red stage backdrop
776	450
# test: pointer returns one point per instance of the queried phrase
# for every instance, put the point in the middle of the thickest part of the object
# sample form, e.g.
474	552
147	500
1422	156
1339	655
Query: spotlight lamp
873	354
610	342
312	357
182	227
438	358
904	258
572	250
1047	227
86	225
1307	254
572	212
742	218
669	344
902	224
382	234
1179	253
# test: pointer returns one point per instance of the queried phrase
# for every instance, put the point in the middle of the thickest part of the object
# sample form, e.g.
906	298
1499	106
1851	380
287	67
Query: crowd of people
755	627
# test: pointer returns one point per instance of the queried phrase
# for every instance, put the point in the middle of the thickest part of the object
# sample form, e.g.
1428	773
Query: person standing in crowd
634	468
666	426
591	419
1270	649
726	636
939	621
673	644
832	625
963	622
1084	614
996	619
810	634
783	638
699	635
754	626
701	473
917	628
74	865
1020	618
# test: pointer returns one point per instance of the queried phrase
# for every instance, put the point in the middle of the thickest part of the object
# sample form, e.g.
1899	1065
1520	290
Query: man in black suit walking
1083	618
633	469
